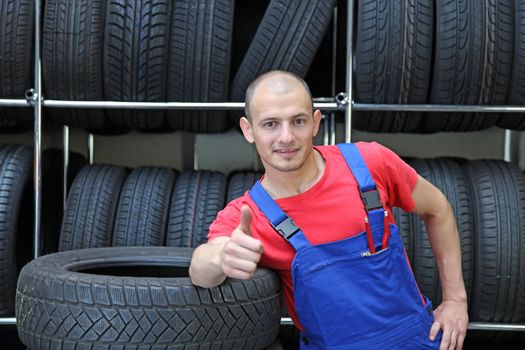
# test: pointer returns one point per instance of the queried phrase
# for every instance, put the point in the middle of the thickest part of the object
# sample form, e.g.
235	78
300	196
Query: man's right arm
235	256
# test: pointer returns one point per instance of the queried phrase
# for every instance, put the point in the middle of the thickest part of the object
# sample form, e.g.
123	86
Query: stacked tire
114	283
488	201
453	53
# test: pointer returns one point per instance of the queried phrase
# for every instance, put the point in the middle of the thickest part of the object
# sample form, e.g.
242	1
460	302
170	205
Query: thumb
246	220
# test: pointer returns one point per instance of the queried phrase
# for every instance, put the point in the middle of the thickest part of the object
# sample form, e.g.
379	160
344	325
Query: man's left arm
451	316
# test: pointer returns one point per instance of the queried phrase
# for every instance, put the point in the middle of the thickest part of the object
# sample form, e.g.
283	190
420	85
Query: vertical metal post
349	64
511	146
334	72
65	152
37	135
91	148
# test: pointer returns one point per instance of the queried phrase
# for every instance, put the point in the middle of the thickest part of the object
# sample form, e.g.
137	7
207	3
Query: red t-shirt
330	210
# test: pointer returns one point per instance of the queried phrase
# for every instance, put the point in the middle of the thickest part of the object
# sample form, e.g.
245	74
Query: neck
281	184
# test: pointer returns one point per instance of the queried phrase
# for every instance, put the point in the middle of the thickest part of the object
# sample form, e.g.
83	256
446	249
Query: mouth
286	151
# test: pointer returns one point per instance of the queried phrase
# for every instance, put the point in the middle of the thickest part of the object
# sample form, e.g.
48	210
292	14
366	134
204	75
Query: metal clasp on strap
286	228
371	200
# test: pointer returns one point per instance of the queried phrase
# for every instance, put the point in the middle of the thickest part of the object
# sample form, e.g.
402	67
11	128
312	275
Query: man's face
282	127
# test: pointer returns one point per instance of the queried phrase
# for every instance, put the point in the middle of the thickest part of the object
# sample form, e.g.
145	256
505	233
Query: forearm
205	268
444	237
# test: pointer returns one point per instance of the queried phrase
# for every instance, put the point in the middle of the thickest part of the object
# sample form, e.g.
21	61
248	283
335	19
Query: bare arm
451	316
235	256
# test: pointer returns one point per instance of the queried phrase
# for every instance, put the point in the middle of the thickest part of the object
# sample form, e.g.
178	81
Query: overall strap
281	222
367	187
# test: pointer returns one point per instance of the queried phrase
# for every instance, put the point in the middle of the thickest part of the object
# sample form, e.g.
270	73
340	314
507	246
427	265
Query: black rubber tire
72	44
140	297
449	177
403	221
473	60
52	194
16	56
516	96
15	176
91	207
136	59
393	61
240	182
498	193
197	198
142	212
199	69
287	39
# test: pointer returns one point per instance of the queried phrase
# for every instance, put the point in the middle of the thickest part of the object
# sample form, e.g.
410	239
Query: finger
246	220
246	254
445	339
461	339
246	241
453	340
239	274
240	264
436	326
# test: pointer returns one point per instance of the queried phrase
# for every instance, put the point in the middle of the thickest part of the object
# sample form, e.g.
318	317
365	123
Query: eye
269	124
299	121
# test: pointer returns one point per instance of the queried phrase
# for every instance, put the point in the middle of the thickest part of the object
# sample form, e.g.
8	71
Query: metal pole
65	152
349	65
14	103
204	106
438	108
37	136
331	122
8	321
91	148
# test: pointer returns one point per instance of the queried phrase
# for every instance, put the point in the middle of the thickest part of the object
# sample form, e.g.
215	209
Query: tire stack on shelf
16	62
454	53
153	51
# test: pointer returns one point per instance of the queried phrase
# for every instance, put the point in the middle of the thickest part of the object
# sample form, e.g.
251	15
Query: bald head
277	82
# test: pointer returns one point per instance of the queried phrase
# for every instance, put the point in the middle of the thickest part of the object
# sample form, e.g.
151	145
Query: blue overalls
347	296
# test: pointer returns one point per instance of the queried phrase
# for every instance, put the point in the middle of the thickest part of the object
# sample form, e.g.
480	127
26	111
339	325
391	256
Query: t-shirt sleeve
398	178
227	220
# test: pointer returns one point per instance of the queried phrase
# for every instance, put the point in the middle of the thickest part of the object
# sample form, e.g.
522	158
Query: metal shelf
484	326
339	103
437	108
325	106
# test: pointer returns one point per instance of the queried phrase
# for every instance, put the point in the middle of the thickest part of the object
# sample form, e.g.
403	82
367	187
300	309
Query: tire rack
342	101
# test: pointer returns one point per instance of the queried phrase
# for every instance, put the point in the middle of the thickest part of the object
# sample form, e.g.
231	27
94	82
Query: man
330	235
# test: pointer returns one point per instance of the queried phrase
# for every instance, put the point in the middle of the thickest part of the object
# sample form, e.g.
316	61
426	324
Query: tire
91	207
140	297
16	56
498	193
199	69
449	177
142	213
241	182
516	96
473	59
287	39
393	61
136	59
197	198
73	38
52	194
15	176
403	221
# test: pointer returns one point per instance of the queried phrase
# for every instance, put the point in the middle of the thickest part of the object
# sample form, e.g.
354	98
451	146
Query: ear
246	128
317	121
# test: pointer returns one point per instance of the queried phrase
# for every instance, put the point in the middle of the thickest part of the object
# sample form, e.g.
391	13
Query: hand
452	317
241	253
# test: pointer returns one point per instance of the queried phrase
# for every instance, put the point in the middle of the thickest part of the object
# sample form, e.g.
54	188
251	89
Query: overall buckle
286	228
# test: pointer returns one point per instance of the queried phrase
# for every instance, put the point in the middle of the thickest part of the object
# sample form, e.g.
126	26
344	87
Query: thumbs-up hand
241	253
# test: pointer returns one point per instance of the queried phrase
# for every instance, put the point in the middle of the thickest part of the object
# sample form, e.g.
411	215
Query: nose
286	136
